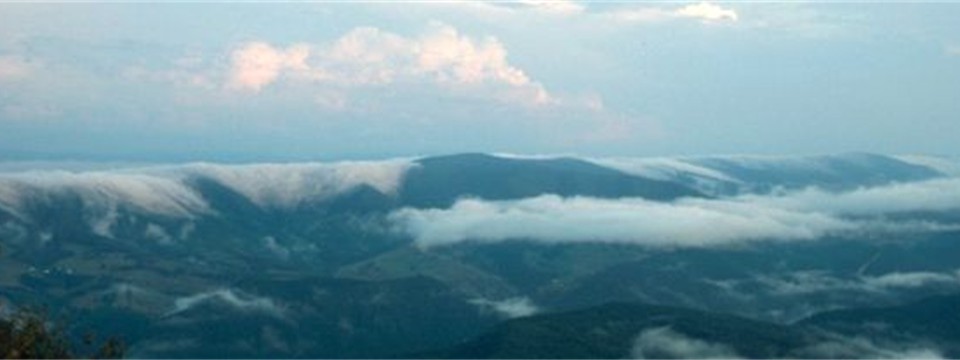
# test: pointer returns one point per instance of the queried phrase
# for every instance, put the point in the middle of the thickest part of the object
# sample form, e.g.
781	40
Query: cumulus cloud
234	299
549	218
368	56
707	11
509	308
665	343
257	64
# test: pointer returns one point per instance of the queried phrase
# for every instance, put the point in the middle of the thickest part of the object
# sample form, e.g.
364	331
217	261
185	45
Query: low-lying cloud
509	308
810	282
101	192
665	343
930	195
841	347
550	218
104	196
166	190
287	185
236	300
802	215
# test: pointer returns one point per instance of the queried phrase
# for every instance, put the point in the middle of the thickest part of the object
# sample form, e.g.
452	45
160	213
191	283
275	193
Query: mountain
439	181
312	259
934	319
627	330
726	175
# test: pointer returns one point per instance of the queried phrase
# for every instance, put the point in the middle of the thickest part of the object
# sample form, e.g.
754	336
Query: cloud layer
550	218
803	215
810	282
168	191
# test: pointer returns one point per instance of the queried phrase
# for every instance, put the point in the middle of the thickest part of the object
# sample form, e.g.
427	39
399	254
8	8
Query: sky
337	80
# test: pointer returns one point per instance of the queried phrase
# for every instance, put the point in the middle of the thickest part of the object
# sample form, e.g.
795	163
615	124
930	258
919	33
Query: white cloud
286	185
158	234
811	282
370	57
704	11
509	308
164	190
930	195
276	248
665	343
258	64
557	7
102	193
707	11
519	8
802	215
237	300
549	218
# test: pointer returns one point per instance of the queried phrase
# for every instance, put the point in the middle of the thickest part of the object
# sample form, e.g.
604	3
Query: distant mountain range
728	256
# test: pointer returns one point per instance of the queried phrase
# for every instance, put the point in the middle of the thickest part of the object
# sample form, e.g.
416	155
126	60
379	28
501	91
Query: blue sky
195	81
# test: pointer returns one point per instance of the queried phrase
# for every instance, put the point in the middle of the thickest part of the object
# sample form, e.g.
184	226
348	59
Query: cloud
276	248
930	195
158	234
237	300
287	185
15	68
665	343
707	11
102	193
521	7
557	7
370	57
550	218
840	347
509	308
801	215
704	11
811	282
257	64
946	166
167	190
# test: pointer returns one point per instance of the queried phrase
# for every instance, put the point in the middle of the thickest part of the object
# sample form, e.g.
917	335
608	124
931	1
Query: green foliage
30	335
